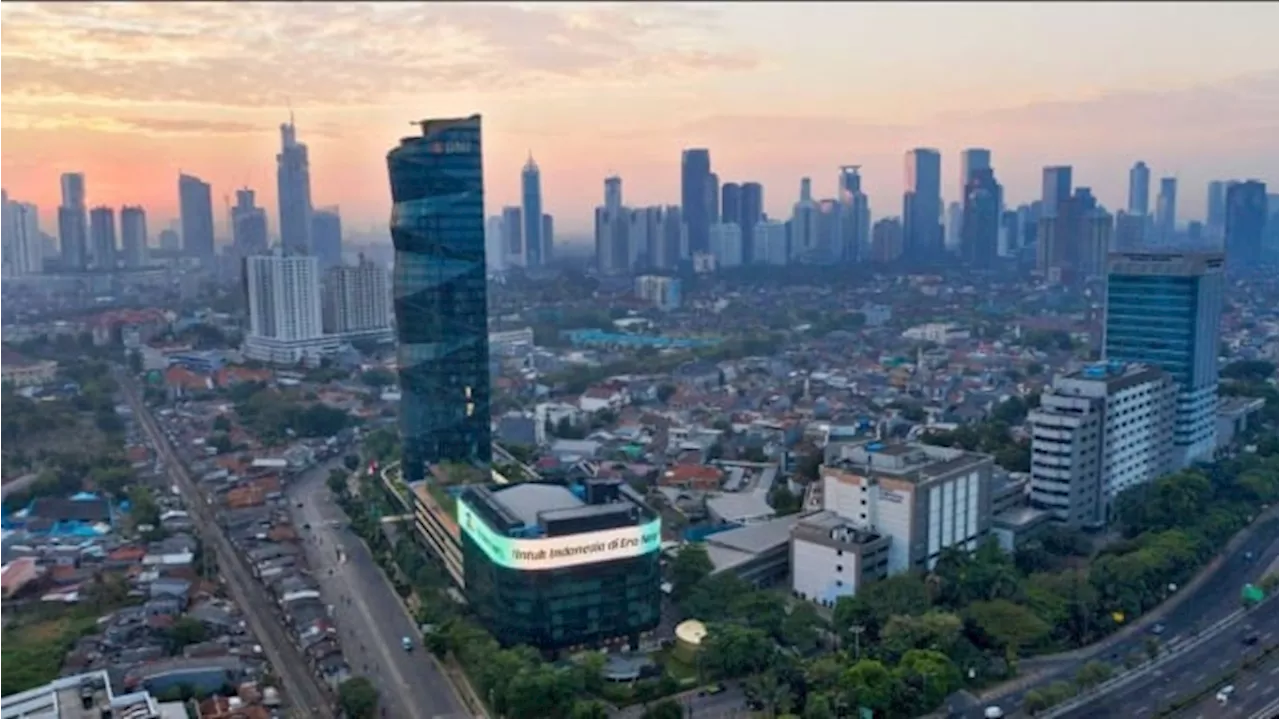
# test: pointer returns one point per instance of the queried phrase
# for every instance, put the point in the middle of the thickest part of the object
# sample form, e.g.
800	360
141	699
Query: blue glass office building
1165	309
437	227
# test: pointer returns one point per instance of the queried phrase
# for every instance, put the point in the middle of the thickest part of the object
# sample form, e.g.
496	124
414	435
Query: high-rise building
1245	223
531	210
1167	211
1096	433
283	295
195	204
1164	309
805	243
854	216
248	225
437	227
1129	232
731	203
1060	243
548	238
922	207
326	237
170	240
495	254
23	251
695	197
613	193
972	160
513	235
1216	217
673	241
663	292
1140	189
1055	189
752	213
102	235
1010	233
357	298
1096	231
886	240
770	243
614	252
980	223
133	236
726	244
293	183
73	223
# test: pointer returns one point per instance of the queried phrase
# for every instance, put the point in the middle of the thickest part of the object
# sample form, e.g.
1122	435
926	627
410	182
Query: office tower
612	231
293	183
1216	218
1245	223
1096	231
170	240
804	225
1055	189
102	238
673	242
437	191
513	235
73	223
495	253
548	239
644	235
248	225
1010	233
922	207
752	212
971	161
195	203
886	240
1167	211
1061	238
326	237
953	222
980	221
531	211
356	298
770	243
713	197
855	215
1164	309
726	244
613	193
133	236
1096	433
23	251
695	197
283	296
662	292
731	203
1139	189
1129	232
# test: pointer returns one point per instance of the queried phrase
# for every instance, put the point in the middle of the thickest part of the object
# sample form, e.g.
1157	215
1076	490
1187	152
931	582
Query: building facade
922	232
696	197
1164	309
326	237
283	293
293	186
980	223
531	210
133	236
73	223
102	239
1244	224
195	204
441	309
1096	433
248	225
831	557
357	298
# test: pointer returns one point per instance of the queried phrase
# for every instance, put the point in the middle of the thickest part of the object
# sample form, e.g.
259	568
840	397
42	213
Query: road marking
1172	693
1251	687
1224	663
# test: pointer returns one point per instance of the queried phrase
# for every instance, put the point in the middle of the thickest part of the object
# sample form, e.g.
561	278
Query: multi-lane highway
369	614
1211	601
300	685
1254	691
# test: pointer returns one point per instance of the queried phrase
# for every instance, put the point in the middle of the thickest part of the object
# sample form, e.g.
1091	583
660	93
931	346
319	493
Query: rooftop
909	461
528	501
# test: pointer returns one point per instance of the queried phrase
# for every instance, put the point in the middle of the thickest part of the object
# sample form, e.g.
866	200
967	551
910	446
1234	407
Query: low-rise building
831	557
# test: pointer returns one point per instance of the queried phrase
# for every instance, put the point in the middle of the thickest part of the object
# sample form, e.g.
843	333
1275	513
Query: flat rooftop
909	461
529	501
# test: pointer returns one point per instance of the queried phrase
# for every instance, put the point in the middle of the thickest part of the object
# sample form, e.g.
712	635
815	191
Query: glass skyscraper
437	227
1164	309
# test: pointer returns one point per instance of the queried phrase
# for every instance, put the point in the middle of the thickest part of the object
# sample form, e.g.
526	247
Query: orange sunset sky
130	94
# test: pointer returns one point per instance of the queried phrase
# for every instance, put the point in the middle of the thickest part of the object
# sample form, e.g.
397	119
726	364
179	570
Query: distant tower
531	206
293	183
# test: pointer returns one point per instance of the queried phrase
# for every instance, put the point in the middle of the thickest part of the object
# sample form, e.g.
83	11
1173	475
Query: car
306	525
1157	628
993	712
1225	693
1250	639
407	643
299	505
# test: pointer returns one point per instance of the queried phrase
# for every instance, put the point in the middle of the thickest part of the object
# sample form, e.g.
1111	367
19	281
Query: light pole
857	630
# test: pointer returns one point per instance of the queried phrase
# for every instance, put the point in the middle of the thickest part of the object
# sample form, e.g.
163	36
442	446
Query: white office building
285	323
770	243
726	244
1096	433
23	251
357	299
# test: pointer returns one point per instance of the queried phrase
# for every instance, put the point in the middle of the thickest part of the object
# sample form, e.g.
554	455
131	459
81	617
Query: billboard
532	555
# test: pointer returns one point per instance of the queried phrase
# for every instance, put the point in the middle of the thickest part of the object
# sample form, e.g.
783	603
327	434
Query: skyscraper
513	235
1061	238
731	203
102	233
248	225
855	216
293	183
531	209
1139	189
922	207
695	197
548	238
326	237
23	249
283	297
971	161
1055	189
1246	219
752	213
356	298
1216	217
437	227
195	203
980	225
1167	211
73	223
1164	309
804	225
133	236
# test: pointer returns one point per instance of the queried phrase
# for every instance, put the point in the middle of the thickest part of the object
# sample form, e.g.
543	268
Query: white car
1225	693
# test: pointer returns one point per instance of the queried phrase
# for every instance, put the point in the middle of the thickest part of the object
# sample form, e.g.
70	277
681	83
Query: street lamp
857	630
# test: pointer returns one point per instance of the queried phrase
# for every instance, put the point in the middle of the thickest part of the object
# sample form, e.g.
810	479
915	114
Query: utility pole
857	630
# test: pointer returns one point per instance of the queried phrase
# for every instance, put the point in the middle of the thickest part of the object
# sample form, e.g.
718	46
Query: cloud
247	55
136	125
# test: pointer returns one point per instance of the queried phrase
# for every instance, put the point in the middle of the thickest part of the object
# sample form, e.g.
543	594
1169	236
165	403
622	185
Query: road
1255	690
369	614
729	704
301	686
1211	601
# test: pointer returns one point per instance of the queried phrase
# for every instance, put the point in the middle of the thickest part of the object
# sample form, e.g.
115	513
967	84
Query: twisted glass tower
437	227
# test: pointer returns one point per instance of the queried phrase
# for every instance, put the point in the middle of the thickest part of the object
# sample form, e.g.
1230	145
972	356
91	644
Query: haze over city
132	94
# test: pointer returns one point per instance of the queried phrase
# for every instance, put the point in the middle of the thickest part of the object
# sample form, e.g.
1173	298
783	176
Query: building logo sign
891	496
559	552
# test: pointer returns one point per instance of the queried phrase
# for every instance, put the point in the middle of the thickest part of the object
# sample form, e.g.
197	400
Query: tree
927	677
358	698
143	507
351	462
378	378
874	604
868	684
818	705
665	709
933	630
1034	702
589	709
184	631
1092	674
1010	626
689	568
221	423
731	650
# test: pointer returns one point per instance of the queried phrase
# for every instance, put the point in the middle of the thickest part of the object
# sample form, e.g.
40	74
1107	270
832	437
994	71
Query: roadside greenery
271	415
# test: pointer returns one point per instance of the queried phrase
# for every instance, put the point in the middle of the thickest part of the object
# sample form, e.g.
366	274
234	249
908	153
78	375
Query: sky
132	94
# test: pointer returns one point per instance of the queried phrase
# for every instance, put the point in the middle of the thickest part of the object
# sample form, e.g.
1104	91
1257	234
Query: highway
370	616
1212	601
300	685
1255	691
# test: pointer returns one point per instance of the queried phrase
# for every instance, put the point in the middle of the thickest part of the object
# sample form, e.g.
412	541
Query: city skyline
613	92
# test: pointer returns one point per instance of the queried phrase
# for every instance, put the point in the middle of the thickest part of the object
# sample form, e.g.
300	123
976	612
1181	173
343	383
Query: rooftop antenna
289	105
